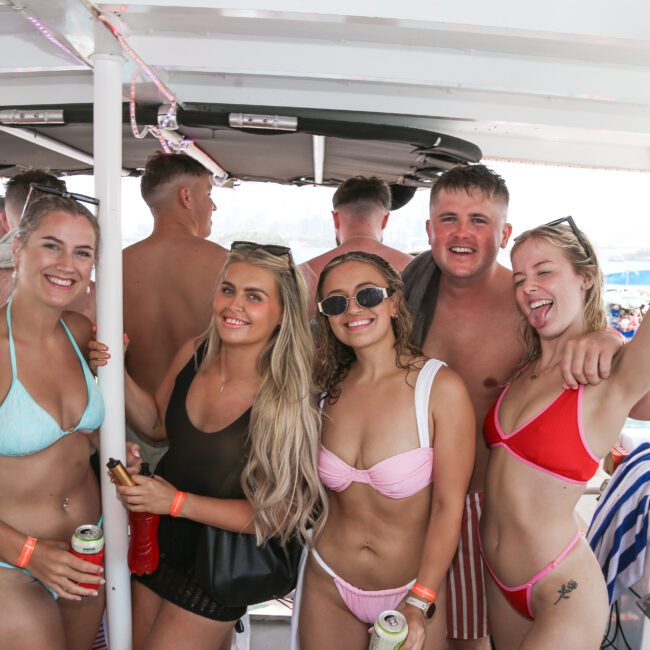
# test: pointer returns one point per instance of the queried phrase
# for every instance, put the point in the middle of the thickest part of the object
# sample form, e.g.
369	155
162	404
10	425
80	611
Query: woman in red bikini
546	443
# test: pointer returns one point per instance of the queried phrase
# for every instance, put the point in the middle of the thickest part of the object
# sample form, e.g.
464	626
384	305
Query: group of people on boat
427	440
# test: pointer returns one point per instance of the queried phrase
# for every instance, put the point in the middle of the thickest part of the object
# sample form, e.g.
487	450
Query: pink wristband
423	592
26	552
177	503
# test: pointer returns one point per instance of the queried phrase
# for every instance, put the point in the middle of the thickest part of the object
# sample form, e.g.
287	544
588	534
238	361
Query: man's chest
482	347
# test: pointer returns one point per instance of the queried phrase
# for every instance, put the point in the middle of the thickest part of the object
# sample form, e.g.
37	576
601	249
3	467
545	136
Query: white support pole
318	150
108	163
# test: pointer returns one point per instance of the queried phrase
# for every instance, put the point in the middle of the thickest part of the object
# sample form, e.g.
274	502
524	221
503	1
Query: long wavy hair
585	264
334	358
280	479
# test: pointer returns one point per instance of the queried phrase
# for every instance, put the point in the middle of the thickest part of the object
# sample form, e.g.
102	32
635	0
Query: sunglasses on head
574	229
273	249
367	297
83	198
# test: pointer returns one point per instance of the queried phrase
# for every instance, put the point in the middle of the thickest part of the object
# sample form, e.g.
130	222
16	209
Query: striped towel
618	533
100	641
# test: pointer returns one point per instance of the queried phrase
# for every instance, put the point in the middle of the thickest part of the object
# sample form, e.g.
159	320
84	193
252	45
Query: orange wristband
26	552
428	594
611	329
177	503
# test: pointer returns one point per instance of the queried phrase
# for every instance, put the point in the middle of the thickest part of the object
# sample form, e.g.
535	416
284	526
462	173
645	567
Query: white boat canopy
555	82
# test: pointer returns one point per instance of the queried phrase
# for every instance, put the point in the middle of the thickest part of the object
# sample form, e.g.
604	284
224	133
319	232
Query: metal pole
108	164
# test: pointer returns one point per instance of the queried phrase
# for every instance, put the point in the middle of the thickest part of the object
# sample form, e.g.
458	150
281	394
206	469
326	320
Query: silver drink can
390	631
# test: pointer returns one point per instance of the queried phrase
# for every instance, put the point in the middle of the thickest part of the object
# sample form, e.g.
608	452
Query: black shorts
178	585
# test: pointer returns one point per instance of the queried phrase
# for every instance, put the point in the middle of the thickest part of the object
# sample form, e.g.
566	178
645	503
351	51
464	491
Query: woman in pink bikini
546	443
394	426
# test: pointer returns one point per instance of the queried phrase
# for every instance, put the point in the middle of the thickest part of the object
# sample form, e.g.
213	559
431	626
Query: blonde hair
585	264
281	479
335	358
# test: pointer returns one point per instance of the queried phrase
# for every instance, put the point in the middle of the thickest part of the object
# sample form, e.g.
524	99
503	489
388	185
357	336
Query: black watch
428	608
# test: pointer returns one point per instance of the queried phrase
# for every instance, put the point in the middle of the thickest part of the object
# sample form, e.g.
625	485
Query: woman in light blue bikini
50	409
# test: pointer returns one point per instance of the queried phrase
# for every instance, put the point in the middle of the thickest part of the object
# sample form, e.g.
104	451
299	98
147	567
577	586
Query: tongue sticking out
537	317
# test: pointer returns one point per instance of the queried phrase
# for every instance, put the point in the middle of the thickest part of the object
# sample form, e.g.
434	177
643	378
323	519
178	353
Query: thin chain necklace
538	373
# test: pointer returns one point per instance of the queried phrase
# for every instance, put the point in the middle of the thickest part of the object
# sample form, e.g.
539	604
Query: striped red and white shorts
466	597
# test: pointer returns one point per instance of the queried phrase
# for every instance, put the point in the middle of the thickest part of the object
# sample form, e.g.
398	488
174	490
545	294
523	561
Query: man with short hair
465	314
17	189
360	212
169	277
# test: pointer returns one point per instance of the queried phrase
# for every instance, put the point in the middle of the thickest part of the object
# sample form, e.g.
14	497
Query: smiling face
247	306
548	290
359	327
56	260
466	231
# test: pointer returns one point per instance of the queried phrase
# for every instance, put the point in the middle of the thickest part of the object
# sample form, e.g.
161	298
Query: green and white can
390	631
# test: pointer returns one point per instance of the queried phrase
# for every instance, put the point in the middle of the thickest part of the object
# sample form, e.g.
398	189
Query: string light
50	37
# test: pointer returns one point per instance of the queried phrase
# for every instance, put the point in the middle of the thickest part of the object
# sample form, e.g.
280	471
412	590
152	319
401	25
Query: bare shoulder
80	327
185	353
174	247
448	385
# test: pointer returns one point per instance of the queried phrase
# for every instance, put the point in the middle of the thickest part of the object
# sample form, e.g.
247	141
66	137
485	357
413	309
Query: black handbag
236	572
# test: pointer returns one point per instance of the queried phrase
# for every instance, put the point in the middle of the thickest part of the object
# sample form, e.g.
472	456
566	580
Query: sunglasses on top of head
367	298
574	229
272	249
36	191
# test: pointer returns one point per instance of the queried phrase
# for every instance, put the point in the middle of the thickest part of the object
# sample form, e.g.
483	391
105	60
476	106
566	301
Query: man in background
169	277
361	207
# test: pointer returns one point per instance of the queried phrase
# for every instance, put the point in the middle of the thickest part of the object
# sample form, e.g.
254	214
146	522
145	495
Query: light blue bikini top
25	426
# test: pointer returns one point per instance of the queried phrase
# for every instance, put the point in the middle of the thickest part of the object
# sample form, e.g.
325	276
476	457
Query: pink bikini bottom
365	605
520	597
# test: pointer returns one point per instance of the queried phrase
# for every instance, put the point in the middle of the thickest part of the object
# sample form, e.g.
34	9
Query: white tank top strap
422	392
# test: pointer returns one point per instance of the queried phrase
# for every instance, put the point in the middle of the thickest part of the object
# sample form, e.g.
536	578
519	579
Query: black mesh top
207	464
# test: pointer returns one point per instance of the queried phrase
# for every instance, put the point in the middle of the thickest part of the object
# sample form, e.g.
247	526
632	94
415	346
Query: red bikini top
552	441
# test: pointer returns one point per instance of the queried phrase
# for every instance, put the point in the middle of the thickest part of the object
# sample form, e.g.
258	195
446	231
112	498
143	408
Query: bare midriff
49	493
374	542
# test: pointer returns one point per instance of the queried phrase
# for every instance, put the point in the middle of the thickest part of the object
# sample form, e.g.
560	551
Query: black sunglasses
83	198
574	230
367	297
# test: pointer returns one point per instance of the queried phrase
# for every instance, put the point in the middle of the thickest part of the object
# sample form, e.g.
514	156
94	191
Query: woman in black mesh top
235	404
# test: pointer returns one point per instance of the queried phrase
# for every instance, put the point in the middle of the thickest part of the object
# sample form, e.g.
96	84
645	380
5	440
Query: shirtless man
361	209
169	277
17	189
465	314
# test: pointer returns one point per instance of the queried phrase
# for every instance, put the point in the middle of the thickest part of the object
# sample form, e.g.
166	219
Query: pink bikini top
399	476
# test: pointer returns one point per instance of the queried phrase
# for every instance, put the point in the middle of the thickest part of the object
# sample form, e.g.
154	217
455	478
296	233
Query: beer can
87	543
390	631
